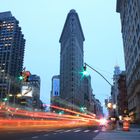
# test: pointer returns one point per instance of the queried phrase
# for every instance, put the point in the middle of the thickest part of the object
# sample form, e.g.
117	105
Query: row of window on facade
7	23
6	38
133	76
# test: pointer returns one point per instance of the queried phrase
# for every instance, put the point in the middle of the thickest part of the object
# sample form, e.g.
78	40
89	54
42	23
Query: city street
70	70
71	134
59	134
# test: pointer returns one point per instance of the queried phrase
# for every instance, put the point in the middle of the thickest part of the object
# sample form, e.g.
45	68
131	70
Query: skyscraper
71	60
12	45
130	21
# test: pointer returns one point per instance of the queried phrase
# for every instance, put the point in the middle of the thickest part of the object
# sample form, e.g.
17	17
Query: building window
135	51
139	43
137	29
72	79
134	40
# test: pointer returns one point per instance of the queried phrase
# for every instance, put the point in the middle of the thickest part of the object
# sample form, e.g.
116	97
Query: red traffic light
27	73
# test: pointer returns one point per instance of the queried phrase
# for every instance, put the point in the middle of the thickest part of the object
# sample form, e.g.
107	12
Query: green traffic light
20	78
5	99
83	109
85	73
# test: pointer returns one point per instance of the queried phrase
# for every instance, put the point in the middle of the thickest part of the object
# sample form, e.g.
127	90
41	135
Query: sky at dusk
42	22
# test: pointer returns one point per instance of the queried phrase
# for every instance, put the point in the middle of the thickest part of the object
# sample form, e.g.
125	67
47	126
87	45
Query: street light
14	97
109	105
19	95
114	106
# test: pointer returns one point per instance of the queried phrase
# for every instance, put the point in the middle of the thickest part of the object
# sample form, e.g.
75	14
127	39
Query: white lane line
35	137
77	131
46	135
96	131
86	130
54	133
67	131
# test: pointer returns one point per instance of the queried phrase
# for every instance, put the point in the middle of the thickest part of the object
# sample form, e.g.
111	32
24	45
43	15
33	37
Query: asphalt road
60	134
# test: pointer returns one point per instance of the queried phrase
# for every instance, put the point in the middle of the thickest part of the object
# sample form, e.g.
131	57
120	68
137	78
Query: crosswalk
78	130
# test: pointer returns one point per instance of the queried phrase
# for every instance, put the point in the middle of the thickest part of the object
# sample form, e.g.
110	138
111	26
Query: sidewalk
133	134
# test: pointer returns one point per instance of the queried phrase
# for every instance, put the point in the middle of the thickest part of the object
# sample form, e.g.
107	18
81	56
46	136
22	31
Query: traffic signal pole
85	65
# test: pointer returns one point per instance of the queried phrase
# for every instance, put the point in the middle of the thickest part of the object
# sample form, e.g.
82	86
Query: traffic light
27	75
21	76
5	99
24	76
26	79
83	109
85	68
85	73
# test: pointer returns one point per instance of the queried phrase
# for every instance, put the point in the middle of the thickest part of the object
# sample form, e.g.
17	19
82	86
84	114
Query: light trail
16	119
74	112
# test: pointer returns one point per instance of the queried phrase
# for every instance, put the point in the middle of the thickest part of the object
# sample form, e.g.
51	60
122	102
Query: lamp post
14	97
112	107
114	110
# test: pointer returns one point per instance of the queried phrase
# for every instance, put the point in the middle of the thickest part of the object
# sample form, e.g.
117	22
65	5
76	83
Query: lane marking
59	130
86	130
46	135
54	133
77	131
67	131
96	131
35	137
